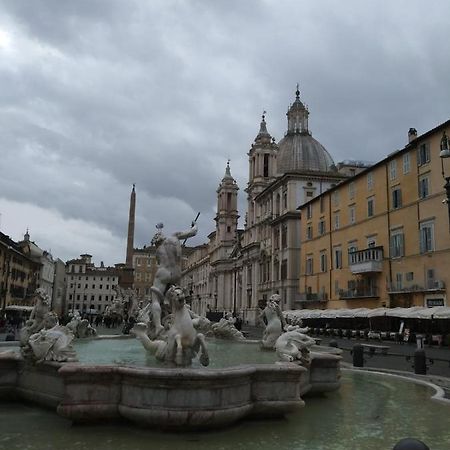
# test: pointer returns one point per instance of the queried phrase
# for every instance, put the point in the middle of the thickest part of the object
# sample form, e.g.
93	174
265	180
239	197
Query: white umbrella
377	312
441	312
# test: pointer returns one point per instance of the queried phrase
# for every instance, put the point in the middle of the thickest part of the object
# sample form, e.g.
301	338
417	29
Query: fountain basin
168	398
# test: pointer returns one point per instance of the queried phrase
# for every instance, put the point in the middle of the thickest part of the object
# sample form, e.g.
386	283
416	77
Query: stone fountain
176	396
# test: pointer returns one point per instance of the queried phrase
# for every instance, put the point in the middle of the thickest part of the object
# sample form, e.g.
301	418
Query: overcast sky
96	95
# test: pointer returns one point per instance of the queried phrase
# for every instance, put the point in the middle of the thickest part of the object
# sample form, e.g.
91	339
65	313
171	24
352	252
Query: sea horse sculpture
294	346
182	342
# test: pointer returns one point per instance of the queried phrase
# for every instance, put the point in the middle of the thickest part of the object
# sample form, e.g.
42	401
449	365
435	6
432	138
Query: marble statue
201	323
276	323
225	328
53	342
36	321
80	328
294	346
168	257
181	343
117	307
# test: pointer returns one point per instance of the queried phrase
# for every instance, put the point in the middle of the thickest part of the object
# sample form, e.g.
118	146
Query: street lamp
445	153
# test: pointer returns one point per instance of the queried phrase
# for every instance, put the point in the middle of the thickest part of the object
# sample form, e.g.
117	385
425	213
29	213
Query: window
285	198
321	227
399	280
423	154
397	243
338	257
336	221
321	205
352	214
406	163
370	181
228	208
370	207
335	198
352	248
424	190
426	237
323	262
309	265
266	165
393	169
276	238
308	232
284	236
396	198
409	276
276	270
284	269
309	211
351	190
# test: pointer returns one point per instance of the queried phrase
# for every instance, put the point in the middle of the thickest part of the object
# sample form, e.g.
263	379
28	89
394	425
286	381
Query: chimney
101	264
412	134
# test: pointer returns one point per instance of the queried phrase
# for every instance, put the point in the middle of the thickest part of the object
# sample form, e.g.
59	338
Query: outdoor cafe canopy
418	312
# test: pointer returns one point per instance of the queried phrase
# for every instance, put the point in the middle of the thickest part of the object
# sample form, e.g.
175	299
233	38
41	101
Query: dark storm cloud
97	95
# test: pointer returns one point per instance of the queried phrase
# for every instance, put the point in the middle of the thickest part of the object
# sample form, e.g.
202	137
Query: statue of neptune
168	273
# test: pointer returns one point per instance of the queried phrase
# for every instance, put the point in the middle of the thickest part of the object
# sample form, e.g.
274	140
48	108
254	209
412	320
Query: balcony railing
431	285
358	292
367	260
306	297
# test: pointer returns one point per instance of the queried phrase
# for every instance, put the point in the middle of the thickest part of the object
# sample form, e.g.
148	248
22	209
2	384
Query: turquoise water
130	351
369	412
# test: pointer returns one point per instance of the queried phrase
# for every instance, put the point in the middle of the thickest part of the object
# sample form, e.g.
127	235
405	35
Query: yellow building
382	237
19	274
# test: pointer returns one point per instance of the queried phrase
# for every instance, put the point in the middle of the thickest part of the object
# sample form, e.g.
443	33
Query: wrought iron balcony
308	297
367	260
358	292
431	285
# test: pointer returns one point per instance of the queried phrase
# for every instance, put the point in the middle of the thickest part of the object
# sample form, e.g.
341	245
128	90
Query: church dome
298	150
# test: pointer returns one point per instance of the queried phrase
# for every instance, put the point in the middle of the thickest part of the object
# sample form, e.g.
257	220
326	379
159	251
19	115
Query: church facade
238	269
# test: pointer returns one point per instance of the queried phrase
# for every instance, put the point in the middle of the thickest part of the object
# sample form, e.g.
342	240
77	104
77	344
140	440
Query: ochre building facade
382	237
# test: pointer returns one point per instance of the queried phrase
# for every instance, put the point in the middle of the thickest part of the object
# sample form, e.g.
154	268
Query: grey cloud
161	93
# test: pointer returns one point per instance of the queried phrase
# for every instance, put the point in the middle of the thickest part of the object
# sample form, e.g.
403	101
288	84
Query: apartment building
381	237
90	289
19	274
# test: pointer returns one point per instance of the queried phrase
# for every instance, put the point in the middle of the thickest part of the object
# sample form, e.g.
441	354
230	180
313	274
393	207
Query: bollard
410	444
420	362
358	355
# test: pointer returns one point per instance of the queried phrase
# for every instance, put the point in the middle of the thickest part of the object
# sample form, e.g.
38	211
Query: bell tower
262	167
227	213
